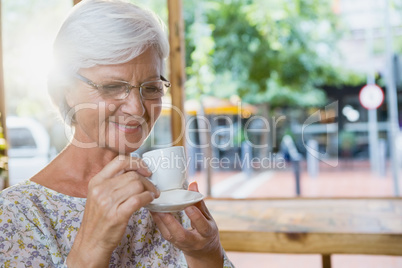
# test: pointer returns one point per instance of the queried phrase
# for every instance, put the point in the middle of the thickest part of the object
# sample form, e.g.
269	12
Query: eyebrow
116	78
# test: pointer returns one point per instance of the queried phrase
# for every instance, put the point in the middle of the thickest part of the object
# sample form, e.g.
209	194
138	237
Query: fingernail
161	215
189	210
153	195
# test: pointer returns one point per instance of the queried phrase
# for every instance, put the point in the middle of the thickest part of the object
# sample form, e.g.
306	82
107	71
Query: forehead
146	66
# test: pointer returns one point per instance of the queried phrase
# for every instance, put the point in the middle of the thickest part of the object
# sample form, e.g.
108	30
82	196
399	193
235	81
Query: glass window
21	138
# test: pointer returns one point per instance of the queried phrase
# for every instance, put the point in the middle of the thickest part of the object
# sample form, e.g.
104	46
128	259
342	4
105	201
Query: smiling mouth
127	128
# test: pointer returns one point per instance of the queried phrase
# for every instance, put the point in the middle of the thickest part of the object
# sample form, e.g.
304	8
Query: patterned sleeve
23	240
226	262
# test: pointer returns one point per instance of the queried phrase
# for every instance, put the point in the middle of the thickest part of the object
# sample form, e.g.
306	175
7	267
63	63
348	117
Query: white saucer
174	200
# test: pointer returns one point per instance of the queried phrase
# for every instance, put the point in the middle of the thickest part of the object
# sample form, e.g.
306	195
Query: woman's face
119	125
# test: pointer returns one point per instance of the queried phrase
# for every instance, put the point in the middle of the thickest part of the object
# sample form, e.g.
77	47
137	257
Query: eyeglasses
119	90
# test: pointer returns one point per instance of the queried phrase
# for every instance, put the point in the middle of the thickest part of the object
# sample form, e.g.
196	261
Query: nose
133	105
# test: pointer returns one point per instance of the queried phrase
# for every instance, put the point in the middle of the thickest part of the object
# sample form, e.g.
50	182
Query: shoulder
34	197
24	237
16	200
33	192
22	191
15	193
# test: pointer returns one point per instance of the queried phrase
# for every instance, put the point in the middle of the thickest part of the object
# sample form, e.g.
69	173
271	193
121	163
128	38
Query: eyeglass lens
120	90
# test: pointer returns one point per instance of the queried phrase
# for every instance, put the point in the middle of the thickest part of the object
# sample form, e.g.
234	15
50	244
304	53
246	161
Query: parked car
29	148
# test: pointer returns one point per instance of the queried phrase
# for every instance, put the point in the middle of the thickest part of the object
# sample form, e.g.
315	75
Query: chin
127	145
122	150
126	142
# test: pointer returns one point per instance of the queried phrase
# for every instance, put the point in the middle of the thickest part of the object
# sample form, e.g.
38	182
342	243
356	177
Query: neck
70	172
84	163
85	158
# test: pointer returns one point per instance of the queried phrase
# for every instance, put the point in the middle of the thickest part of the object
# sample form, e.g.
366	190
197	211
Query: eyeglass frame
166	85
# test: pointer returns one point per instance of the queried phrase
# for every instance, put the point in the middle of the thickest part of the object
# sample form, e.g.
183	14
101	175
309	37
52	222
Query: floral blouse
38	227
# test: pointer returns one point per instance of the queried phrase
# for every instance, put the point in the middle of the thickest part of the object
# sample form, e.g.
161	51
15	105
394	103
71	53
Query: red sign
371	96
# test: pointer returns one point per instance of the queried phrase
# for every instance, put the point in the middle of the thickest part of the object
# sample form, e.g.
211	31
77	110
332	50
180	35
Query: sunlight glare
36	60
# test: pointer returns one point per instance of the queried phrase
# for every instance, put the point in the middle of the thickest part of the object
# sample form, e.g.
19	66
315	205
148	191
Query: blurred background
279	82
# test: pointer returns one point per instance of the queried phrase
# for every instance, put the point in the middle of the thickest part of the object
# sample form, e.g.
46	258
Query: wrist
73	261
210	259
87	257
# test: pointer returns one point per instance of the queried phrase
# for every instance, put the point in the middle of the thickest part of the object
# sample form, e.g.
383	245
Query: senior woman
86	208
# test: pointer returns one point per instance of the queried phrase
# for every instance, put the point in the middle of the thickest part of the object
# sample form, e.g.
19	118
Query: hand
114	194
200	245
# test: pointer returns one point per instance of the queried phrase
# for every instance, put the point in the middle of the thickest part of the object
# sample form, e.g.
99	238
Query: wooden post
2	94
205	139
326	261
177	76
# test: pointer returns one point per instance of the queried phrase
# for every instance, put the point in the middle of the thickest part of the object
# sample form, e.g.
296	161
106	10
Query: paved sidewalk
350	179
353	180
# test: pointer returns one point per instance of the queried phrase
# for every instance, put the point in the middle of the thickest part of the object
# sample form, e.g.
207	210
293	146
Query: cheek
91	115
88	118
154	109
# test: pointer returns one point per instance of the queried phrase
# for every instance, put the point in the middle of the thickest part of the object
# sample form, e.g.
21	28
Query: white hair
102	32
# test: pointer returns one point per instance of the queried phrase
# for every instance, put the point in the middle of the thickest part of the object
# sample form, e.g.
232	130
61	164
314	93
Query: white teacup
168	167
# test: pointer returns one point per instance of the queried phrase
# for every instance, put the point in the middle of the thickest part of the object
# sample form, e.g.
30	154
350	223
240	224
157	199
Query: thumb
193	187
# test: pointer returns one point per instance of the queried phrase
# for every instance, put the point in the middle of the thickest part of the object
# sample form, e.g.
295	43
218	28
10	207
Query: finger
134	203
123	163
162	227
193	187
149	186
199	221
200	205
137	164
134	177
130	184
174	229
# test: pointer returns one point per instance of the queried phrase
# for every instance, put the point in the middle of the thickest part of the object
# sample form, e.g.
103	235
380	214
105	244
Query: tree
3	159
278	52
